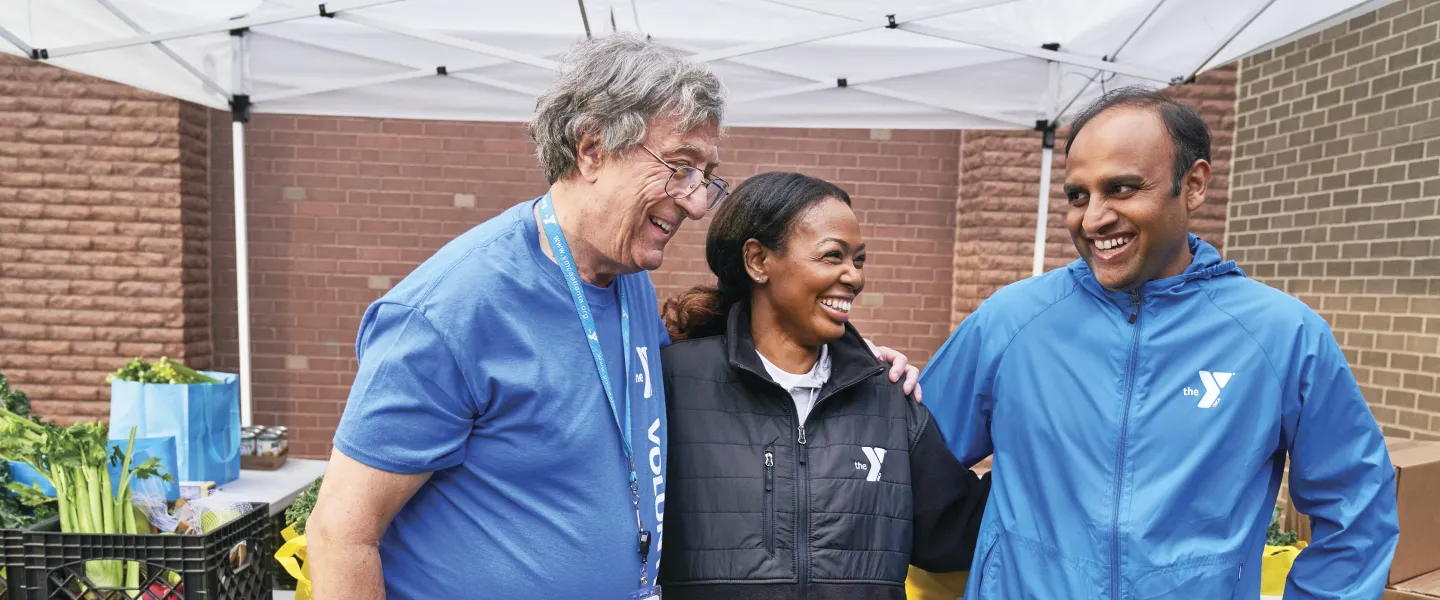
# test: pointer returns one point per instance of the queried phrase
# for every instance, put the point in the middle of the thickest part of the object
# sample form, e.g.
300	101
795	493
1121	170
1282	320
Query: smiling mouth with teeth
837	304
665	227
1113	243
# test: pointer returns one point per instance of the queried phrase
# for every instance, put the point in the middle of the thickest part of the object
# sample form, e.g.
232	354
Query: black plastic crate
229	563
12	557
280	578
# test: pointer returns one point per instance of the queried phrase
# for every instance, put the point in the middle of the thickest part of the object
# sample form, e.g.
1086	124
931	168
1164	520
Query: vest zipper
802	519
770	502
802	476
1120	450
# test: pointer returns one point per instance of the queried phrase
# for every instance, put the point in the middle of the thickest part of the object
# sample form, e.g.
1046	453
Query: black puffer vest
759	505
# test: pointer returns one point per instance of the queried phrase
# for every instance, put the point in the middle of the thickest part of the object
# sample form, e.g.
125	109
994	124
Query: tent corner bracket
1047	127
240	108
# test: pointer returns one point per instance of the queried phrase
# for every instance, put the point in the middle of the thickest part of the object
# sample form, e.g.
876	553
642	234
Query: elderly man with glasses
505	436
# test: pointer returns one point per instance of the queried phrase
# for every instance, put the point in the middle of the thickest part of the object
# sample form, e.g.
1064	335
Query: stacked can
257	440
248	437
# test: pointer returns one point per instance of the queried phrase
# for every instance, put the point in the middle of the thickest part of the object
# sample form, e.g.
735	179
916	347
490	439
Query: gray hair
613	86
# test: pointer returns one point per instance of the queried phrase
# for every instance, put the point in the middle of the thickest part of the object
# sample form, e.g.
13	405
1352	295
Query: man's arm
1341	476
958	377
355	506
409	414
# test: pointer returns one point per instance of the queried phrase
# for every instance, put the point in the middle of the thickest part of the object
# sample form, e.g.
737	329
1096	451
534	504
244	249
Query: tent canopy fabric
884	64
932	64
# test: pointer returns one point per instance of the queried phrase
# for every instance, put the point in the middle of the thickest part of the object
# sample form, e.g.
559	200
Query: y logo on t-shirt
644	351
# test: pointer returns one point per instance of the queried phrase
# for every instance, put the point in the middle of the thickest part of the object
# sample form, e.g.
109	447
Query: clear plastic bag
148	496
203	515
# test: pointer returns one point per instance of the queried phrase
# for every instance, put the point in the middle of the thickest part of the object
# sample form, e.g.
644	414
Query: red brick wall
1000	174
342	208
94	252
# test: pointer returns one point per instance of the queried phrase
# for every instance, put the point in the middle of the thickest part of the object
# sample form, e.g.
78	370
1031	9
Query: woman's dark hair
1188	132
763	208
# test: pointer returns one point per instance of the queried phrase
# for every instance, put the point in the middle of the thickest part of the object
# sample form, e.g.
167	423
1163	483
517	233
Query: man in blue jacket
1140	403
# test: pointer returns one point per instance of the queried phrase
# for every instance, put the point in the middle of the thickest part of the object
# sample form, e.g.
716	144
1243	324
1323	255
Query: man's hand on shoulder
899	365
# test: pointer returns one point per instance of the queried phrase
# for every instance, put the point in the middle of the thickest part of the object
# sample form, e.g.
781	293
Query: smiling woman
787	439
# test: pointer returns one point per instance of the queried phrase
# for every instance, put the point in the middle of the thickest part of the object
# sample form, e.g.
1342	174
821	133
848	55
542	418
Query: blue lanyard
582	307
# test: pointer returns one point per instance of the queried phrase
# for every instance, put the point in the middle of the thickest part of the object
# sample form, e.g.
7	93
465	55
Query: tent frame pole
1230	37
1108	58
1131	69
240	114
889	23
335	8
453	41
184	64
17	42
1047	154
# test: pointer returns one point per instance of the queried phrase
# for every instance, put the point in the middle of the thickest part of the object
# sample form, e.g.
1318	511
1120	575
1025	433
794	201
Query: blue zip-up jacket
1139	439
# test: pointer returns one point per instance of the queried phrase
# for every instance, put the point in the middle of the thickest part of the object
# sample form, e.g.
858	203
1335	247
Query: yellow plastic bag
1275	568
291	554
924	585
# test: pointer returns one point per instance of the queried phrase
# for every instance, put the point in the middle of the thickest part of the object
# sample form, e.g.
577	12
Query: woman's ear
755	256
589	157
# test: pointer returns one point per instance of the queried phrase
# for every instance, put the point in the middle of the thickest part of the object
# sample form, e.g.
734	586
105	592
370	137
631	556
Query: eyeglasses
685	179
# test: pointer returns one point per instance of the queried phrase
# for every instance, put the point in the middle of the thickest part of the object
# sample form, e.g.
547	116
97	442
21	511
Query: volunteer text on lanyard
582	307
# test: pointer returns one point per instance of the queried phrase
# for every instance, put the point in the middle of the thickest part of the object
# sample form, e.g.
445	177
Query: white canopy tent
927	64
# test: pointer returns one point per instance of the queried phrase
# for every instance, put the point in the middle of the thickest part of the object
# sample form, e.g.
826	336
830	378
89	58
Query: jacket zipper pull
769	464
1135	300
802	435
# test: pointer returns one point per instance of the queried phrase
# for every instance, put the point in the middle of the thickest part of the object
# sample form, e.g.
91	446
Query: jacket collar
1205	264
851	360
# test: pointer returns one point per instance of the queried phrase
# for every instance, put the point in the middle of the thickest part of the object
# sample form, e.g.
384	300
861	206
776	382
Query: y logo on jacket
875	458
1213	382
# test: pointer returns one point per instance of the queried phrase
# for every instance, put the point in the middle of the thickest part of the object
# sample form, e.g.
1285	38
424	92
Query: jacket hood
1205	263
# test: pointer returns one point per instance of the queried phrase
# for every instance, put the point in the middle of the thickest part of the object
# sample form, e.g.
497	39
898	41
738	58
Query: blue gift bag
146	448
204	419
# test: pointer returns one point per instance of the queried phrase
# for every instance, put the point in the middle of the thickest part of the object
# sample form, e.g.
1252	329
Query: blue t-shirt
475	368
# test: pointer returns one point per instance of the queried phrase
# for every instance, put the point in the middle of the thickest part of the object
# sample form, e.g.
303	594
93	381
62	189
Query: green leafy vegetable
76	460
1275	537
299	512
160	371
15	513
13	400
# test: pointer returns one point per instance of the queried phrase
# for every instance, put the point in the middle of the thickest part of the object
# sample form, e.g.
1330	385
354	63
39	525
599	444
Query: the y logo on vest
1213	382
875	458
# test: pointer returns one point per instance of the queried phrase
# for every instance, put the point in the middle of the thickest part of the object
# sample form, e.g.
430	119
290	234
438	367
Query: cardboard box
1417	491
1424	587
